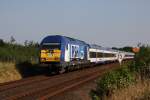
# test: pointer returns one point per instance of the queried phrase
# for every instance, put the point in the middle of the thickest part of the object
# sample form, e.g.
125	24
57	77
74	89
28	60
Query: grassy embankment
131	81
8	72
12	55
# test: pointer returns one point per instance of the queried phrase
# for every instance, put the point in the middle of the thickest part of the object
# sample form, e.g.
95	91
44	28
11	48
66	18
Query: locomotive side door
67	53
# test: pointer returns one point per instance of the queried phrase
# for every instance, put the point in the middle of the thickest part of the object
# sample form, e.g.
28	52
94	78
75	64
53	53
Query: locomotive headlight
43	59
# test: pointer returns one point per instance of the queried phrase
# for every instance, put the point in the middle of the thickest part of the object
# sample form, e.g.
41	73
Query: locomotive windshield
51	46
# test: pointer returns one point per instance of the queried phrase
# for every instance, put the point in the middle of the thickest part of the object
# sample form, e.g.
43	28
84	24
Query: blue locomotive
63	53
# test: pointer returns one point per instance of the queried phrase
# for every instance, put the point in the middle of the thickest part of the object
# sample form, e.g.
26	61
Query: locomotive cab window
51	46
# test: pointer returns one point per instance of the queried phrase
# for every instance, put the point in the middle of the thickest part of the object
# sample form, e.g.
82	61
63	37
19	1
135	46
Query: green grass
18	53
111	81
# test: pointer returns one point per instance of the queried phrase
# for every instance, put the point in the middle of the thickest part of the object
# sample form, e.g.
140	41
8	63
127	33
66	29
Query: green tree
2	42
12	40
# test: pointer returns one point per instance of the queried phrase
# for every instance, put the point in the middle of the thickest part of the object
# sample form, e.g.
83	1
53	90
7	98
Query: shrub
111	81
141	63
143	57
2	42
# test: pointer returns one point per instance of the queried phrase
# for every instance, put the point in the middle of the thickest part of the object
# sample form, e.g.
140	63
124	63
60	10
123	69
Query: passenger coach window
109	55
99	55
92	54
128	56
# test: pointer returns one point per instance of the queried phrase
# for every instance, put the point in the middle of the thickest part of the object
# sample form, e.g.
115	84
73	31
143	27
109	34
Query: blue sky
103	22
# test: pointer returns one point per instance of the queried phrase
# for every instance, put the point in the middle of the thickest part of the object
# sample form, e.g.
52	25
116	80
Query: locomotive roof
72	39
63	38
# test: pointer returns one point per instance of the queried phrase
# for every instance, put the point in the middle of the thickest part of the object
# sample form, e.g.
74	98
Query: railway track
47	87
18	83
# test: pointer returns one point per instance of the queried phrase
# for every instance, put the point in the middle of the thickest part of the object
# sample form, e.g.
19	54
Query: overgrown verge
128	75
17	53
112	81
17	61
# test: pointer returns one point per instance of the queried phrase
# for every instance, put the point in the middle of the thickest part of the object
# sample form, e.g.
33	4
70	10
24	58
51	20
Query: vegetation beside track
8	72
13	56
13	52
130	74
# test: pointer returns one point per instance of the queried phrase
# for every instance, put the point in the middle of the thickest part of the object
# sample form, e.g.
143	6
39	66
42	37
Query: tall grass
18	53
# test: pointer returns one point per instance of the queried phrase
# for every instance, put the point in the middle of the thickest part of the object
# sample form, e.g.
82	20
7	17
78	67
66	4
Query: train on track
61	53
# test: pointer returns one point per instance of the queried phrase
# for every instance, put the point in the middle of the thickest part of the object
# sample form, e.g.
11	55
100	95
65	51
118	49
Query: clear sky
103	22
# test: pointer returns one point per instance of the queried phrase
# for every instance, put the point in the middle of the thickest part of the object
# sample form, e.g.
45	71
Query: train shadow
27	69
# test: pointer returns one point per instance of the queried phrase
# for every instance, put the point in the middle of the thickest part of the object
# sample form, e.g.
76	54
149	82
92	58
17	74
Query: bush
111	81
143	57
2	42
141	63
